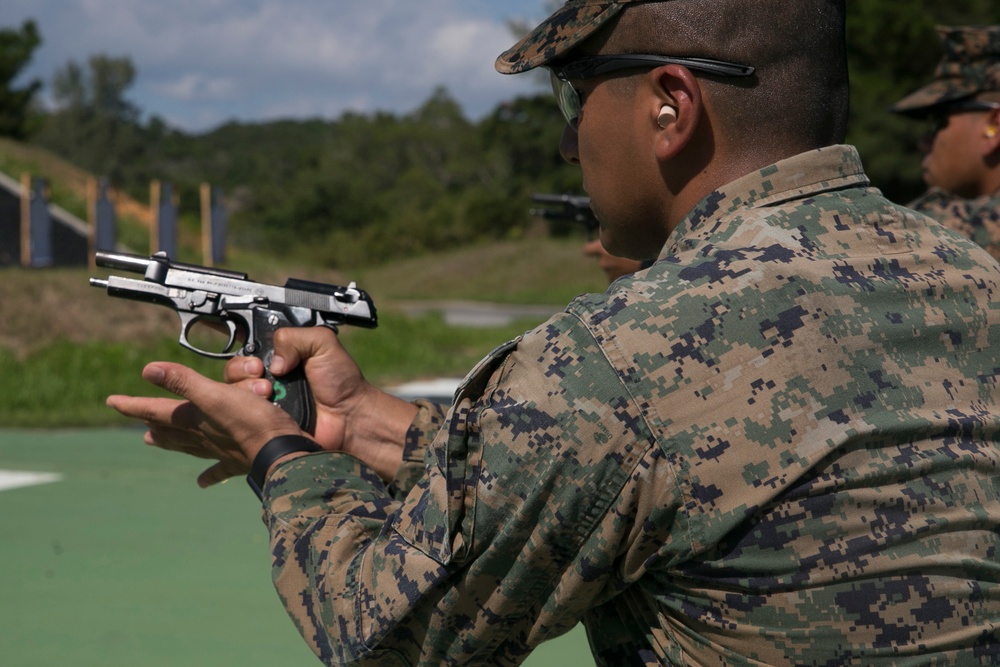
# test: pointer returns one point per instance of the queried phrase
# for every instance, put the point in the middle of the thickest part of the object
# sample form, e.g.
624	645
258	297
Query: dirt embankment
40	307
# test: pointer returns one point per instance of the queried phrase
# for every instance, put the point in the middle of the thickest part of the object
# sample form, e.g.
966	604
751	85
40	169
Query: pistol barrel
122	260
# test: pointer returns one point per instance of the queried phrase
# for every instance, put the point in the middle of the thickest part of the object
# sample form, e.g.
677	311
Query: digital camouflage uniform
970	66
776	446
978	218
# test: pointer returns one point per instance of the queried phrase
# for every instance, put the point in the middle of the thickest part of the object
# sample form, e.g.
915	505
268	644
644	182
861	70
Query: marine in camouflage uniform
775	446
968	71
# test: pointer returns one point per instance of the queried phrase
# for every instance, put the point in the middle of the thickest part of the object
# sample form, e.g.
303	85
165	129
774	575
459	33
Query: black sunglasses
568	96
937	119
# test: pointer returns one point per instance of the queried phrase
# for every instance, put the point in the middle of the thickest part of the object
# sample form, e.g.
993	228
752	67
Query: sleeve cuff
318	484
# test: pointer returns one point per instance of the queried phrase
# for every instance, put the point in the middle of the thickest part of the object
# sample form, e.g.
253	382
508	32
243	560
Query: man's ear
675	109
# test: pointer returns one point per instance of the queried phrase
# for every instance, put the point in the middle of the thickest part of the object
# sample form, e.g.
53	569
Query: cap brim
921	102
568	26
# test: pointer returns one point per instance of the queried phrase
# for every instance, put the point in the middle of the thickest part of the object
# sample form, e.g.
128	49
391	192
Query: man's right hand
352	415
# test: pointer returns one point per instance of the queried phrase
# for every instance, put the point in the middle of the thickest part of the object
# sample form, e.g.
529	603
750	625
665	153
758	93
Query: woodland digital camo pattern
978	218
776	446
568	26
970	65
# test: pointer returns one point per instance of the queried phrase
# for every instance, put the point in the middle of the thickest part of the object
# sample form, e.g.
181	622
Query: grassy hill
68	186
68	182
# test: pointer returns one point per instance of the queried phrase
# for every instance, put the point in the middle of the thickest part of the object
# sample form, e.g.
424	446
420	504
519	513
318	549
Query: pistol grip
291	391
292	394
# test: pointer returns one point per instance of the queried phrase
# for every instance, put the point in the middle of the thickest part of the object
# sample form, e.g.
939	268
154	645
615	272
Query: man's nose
569	145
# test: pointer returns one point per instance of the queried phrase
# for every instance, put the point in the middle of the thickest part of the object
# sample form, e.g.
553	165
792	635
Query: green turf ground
125	561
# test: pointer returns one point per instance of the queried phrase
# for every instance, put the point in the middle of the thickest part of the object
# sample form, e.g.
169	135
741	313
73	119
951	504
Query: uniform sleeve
429	419
522	521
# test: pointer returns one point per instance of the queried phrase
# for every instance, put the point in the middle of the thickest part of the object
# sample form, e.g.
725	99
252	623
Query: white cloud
196	86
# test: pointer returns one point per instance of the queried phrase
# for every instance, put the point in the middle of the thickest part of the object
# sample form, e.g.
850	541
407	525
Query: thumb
293	345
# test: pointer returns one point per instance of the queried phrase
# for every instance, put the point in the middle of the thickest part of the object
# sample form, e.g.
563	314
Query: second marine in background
961	165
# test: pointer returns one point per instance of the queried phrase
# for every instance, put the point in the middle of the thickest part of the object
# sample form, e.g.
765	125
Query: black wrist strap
271	452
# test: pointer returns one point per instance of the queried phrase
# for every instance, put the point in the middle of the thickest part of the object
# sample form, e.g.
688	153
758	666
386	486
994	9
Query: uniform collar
803	175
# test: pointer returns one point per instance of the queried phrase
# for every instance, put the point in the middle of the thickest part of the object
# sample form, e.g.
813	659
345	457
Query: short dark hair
799	94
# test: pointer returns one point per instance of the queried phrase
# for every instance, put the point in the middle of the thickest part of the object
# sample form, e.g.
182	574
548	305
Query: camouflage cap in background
970	65
568	26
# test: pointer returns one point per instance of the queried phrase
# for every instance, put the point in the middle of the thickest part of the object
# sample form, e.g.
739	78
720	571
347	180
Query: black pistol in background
249	312
567	207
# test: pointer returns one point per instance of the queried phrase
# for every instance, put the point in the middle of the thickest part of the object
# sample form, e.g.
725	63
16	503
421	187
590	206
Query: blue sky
203	62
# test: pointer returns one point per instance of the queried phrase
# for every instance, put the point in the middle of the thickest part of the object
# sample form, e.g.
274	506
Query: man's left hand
229	423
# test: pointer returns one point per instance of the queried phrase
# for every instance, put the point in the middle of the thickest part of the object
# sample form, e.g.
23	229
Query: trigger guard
188	321
232	336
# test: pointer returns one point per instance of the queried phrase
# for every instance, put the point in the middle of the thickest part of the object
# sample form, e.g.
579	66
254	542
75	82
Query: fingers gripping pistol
249	312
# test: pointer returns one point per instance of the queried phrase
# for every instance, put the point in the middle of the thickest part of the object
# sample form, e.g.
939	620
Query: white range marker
15	479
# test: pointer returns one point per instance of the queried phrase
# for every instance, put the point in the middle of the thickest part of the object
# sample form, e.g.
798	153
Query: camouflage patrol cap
568	26
970	65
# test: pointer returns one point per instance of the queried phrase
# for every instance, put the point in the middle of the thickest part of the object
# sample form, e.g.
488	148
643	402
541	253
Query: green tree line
373	187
